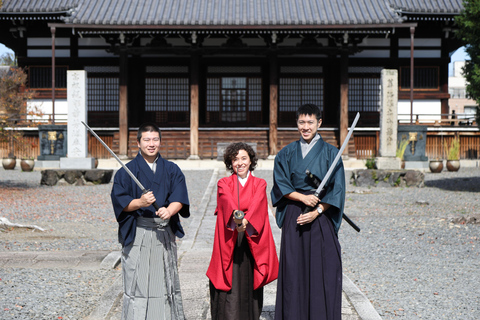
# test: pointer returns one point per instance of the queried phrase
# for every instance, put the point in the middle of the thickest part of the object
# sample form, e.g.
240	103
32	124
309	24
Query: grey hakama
150	275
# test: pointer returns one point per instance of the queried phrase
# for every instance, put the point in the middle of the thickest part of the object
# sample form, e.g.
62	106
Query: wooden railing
445	119
176	145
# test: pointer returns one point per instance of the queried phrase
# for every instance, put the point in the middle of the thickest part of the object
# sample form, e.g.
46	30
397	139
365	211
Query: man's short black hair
148	127
309	109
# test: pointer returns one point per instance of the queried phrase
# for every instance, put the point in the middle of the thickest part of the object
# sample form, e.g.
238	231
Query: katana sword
139	184
334	163
316	181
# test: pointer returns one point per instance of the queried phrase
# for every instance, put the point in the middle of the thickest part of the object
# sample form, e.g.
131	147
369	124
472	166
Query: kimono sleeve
225	202
282	184
258	208
335	193
178	190
122	195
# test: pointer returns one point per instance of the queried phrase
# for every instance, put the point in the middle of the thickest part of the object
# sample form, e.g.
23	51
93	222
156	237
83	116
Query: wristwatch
319	210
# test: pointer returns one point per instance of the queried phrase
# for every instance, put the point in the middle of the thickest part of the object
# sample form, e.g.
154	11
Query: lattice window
234	100
167	94
363	93
294	92
424	78
167	100
103	94
40	77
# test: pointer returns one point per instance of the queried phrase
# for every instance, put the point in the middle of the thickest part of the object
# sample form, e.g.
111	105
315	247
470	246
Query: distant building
459	103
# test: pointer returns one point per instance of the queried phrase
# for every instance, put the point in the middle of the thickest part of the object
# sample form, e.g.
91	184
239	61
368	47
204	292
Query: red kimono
253	201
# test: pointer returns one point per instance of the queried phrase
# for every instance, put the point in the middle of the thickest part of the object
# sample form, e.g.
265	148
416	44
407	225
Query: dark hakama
309	285
241	302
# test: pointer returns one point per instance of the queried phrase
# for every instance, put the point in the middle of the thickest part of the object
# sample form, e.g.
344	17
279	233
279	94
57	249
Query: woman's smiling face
241	163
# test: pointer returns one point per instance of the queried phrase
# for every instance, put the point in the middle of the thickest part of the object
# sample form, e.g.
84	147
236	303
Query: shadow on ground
10	184
466	184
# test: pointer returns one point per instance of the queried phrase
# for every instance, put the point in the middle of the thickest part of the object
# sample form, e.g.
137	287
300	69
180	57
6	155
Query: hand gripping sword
139	184
332	167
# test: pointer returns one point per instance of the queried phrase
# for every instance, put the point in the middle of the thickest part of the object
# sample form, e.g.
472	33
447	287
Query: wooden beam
343	99
123	107
214	27
273	114
52	30
194	107
412	71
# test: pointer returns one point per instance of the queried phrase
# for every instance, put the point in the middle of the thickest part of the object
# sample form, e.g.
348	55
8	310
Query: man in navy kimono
149	254
310	276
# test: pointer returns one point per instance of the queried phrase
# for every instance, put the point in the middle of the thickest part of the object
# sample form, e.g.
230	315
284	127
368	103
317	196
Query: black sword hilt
317	182
154	204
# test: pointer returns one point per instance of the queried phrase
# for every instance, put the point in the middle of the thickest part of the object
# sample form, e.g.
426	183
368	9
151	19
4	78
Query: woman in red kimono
244	258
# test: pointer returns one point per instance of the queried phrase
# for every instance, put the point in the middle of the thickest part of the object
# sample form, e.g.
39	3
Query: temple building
208	71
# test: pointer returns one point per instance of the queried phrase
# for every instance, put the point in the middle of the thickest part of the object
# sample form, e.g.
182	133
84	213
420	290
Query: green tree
469	33
8	59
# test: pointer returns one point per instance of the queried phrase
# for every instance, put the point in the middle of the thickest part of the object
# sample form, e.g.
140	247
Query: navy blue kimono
168	185
309	282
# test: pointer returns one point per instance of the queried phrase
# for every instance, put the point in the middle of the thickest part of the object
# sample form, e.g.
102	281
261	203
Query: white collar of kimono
153	165
244	180
306	147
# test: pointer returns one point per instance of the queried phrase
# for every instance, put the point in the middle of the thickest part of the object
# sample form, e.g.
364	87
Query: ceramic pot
27	165
453	165
436	166
9	163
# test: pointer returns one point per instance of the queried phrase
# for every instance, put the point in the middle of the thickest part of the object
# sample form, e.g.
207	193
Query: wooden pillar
343	99
52	30
273	114
123	107
194	107
445	60
412	71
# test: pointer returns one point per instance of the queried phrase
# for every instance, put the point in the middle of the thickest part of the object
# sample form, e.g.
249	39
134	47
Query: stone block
54	177
49	178
98	176
388	178
72	176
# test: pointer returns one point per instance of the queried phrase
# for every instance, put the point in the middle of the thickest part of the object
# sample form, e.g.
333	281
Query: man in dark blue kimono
149	254
310	276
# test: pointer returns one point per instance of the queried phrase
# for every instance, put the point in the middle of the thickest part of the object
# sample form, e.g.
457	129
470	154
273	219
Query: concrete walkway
194	254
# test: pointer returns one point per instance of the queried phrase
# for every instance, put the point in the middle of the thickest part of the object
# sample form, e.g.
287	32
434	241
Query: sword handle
155	205
308	208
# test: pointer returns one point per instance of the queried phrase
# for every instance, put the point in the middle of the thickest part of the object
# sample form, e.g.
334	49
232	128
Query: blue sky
459	55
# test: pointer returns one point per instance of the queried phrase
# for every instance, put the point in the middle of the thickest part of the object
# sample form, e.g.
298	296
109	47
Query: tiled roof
427	6
32	6
234	12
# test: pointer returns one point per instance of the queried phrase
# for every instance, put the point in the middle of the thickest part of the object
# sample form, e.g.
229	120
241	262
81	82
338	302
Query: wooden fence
176	145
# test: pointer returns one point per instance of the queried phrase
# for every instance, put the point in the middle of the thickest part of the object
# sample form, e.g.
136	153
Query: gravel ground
76	218
409	259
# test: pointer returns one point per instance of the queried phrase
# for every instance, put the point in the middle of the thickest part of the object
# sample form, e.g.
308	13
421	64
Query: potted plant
27	164
453	154
402	145
435	165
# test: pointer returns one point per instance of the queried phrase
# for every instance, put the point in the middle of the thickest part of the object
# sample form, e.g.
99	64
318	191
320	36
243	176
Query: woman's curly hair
231	153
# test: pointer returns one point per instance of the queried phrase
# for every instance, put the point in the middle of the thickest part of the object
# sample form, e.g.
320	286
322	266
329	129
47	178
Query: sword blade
117	158
339	154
